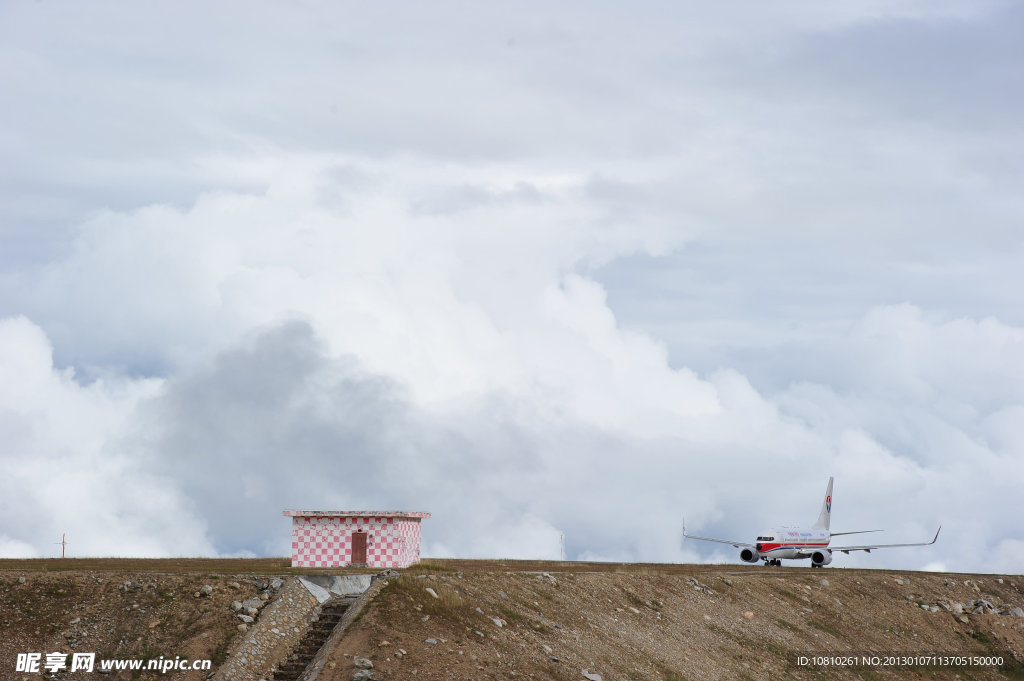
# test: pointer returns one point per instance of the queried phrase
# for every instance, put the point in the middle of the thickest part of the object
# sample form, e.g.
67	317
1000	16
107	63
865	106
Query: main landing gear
773	562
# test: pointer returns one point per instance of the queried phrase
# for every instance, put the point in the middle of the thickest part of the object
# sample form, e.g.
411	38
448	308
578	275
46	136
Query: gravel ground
118	615
623	622
644	623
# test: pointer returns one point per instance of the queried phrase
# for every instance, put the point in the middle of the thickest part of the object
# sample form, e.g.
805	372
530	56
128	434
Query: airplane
791	543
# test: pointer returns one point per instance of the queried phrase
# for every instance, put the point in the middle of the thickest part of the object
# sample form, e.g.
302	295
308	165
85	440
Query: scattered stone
503	594
424	618
999	580
234	585
547	649
748	615
592	676
553	658
823	582
432	641
154	624
497	622
432	592
243	627
236	605
76	620
924	606
1016	612
205	591
362	675
634	610
245	618
963	618
362	663
727	581
251	612
277	583
479	633
21	580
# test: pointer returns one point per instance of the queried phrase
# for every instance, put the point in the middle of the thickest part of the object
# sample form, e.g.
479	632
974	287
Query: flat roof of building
359	514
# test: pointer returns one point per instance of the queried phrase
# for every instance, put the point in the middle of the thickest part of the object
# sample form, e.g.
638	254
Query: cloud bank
539	273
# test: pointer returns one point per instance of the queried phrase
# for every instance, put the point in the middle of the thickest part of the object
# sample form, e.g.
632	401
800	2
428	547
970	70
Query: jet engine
819	558
749	556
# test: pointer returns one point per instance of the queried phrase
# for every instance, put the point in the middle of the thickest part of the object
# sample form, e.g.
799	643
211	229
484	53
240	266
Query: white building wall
326	541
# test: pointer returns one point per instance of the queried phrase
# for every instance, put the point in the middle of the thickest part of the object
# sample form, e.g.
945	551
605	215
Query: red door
359	548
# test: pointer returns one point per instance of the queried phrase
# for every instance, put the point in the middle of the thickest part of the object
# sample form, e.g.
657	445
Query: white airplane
791	543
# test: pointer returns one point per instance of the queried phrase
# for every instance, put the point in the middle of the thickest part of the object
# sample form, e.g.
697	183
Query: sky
580	271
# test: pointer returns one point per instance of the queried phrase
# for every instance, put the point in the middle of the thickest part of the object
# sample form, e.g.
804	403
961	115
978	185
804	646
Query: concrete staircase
317	634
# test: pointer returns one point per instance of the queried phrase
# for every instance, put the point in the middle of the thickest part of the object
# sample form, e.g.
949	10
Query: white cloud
12	548
537	272
64	470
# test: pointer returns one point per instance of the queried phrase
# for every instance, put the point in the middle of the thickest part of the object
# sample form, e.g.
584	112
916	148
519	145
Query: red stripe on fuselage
771	546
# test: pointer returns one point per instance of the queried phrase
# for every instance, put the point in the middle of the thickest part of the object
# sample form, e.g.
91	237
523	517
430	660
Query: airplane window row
766	539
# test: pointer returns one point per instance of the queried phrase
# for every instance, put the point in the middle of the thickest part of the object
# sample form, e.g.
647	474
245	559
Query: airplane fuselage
790	543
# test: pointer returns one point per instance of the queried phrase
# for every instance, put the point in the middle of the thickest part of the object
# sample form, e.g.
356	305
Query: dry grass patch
449	602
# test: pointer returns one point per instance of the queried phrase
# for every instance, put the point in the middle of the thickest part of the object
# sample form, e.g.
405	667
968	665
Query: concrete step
312	641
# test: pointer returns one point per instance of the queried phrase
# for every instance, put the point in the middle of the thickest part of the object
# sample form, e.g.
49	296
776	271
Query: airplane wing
868	549
836	534
737	544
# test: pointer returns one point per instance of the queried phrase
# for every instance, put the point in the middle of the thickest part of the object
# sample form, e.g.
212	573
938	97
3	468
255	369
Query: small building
378	539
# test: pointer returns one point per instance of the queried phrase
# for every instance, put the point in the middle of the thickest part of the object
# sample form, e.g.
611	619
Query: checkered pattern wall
326	541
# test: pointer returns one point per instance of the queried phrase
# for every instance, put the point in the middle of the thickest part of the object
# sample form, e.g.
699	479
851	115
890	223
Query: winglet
936	537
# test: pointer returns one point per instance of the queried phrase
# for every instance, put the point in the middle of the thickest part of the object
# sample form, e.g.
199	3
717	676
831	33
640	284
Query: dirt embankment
675	623
507	620
118	615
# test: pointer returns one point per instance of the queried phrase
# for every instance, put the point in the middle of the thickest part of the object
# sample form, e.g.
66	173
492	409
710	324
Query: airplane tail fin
826	509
